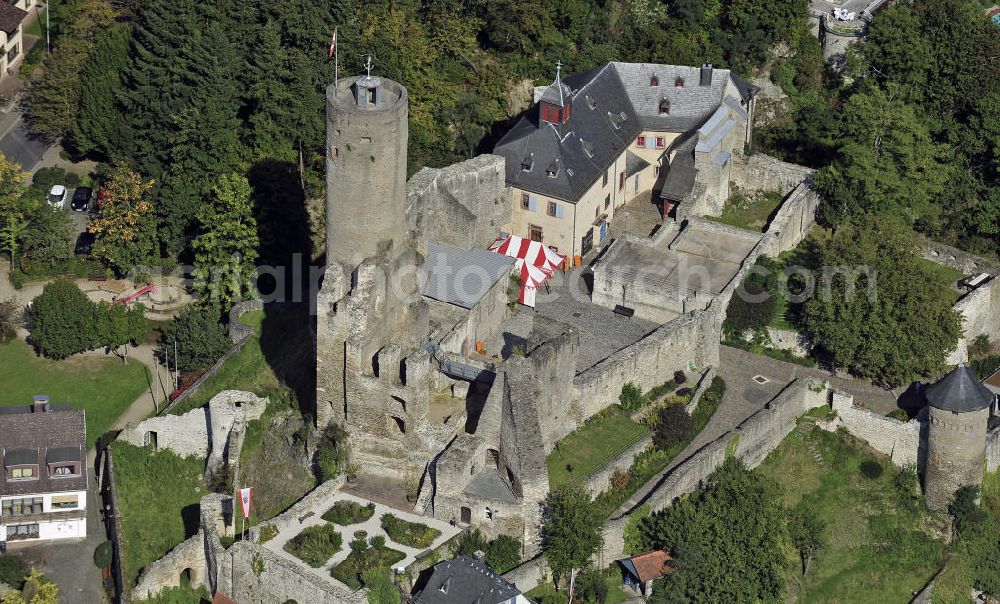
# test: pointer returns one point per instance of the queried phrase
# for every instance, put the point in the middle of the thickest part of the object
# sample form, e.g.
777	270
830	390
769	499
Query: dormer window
664	106
654	81
445	586
679	83
25	472
588	148
553	170
527	162
591	102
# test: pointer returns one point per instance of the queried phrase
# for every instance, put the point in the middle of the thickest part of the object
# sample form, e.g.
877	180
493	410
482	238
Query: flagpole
336	60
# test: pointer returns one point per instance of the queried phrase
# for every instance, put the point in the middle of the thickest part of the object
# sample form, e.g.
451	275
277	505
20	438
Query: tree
48	235
571	531
118	325
226	250
878	310
806	530
198	336
591	587
754	303
96	128
468	543
727	541
11	188
503	553
124	226
10	319
11	232
331	452
62	320
673	426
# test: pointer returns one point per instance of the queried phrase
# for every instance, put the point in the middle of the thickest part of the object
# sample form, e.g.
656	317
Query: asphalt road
18	145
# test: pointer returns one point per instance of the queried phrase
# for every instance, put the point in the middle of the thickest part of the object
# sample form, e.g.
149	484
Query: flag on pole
245	501
333	44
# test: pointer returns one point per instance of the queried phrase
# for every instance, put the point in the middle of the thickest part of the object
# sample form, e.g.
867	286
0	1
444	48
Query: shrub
673	426
72	179
103	554
679	377
899	414
46	177
63	320
10	319
631	398
619	479
658	391
468	543
377	541
331	452
12	570
358	545
200	335
591	587
267	532
413	534
351	571
349	512
315	544
870	469
381	589
503	553
979	347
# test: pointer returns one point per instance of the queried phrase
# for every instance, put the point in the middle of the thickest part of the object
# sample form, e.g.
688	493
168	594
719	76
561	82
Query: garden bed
346	512
349	571
413	534
315	544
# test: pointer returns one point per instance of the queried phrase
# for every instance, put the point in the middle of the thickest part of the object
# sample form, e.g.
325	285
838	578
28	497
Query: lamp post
48	10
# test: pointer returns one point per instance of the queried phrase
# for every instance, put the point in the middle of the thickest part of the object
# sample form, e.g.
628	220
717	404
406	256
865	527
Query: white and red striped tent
535	263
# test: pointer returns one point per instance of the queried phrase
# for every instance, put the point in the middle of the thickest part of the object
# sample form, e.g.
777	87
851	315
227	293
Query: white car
57	196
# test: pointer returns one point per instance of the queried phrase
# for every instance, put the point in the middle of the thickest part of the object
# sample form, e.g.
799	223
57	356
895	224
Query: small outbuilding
639	572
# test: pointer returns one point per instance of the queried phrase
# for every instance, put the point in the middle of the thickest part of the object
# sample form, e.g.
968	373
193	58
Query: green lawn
159	494
103	387
879	546
545	593
589	446
752	213
254	318
37	27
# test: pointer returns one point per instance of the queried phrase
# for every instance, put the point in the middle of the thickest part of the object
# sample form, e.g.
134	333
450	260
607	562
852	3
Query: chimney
706	74
479	555
39	403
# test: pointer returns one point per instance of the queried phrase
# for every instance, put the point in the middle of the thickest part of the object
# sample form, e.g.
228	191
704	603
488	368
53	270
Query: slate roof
682	173
465	580
612	104
10	17
488	484
462	277
959	391
42	436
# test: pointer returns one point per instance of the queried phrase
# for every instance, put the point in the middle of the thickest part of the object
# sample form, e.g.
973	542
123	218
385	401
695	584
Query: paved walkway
745	396
289	528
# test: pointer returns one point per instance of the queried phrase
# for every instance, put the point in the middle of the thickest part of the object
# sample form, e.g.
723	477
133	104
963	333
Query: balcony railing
53	516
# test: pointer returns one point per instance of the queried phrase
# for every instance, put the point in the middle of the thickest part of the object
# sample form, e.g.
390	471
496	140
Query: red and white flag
245	501
333	44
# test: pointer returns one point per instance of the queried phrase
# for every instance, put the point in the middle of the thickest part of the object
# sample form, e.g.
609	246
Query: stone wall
793	220
166	572
703	383
958	259
237	330
760	172
899	440
993	450
956	453
465	204
980	312
599	479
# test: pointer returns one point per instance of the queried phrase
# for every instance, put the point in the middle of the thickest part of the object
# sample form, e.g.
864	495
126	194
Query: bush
619	479
46	177
377	541
10	319
63	320
331	452
870	469
468	543
658	391
413	534
381	589
315	544
103	554
267	532
503	553
351	571
899	414
349	512
979	347
201	338
72	180
591	587
48	237
631	398
673	426
679	377
12	570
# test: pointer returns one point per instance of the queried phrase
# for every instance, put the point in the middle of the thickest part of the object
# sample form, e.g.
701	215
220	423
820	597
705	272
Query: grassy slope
875	548
955	583
104	387
590	446
753	217
159	495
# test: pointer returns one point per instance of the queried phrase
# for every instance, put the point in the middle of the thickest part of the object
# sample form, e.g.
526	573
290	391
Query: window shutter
559	211
532	203
650	142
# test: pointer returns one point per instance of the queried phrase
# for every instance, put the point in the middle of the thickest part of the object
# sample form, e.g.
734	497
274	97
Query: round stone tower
958	411
366	134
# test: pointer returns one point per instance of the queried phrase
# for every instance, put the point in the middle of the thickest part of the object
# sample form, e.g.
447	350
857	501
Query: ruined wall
958	259
482	321
993	450
760	172
237	330
553	365
980	312
280	581
165	572
793	220
703	383
464	204
899	440
647	363
787	339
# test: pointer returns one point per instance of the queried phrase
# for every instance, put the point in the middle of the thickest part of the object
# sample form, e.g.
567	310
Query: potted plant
352	470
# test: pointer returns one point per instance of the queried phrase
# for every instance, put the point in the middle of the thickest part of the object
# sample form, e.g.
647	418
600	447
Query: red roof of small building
651	565
220	598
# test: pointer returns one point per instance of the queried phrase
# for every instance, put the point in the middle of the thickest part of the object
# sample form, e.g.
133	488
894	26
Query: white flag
245	501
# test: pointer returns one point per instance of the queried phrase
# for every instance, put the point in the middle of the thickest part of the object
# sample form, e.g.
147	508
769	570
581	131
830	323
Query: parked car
57	196
81	199
84	243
